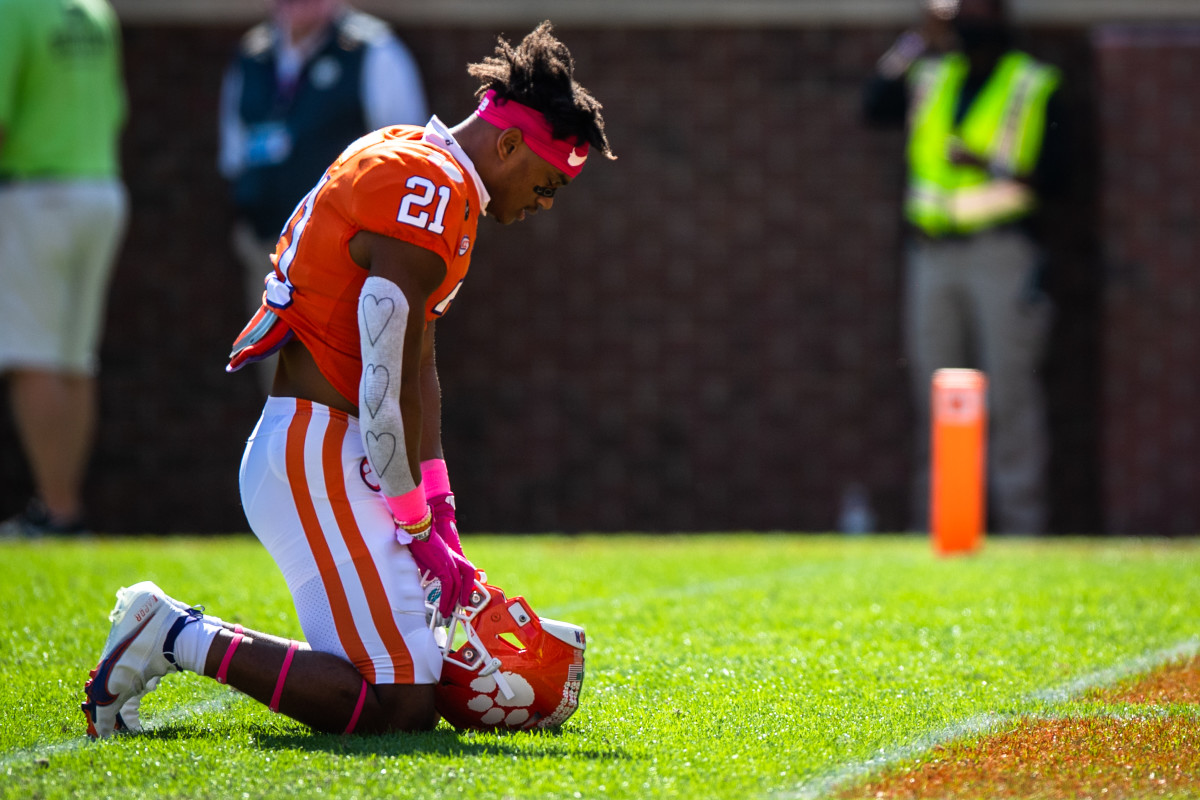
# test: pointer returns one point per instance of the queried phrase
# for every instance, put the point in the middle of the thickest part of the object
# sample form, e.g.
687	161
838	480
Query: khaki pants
58	246
254	254
973	303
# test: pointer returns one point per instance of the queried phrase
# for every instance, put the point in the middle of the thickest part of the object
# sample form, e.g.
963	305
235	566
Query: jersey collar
438	135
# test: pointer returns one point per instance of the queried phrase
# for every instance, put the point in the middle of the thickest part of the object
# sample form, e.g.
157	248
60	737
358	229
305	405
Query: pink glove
436	481
444	523
455	573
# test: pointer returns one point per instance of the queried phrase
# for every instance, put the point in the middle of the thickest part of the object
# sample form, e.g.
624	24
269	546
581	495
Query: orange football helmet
503	666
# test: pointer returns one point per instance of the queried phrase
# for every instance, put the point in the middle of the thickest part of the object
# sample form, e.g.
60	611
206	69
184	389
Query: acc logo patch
464	245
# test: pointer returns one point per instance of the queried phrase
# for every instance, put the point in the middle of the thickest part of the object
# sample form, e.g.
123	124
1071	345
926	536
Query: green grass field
735	666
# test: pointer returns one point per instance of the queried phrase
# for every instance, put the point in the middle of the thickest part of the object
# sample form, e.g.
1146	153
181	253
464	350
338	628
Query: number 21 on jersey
416	205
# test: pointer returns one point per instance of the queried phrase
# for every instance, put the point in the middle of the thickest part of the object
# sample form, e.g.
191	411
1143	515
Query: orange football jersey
392	182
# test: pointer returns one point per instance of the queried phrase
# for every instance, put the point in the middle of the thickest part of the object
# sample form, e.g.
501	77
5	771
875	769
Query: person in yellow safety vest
985	144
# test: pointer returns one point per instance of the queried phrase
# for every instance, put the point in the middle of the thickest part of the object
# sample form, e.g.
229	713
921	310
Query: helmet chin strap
502	683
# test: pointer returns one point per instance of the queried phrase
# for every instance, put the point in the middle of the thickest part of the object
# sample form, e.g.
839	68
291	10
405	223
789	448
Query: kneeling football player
343	478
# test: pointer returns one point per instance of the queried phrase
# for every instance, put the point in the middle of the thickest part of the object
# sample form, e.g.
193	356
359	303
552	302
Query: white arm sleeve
382	319
391	85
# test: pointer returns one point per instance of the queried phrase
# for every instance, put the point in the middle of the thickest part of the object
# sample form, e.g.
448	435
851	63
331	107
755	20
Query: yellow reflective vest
1004	126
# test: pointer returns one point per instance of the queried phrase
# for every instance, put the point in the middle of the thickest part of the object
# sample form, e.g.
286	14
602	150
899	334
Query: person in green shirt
63	213
986	145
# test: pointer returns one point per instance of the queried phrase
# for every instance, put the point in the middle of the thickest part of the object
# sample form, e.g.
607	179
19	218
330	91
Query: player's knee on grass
408	708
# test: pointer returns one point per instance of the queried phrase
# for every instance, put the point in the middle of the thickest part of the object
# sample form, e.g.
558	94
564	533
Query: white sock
193	642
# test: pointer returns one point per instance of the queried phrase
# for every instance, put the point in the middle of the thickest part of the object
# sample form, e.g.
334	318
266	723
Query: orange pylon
958	460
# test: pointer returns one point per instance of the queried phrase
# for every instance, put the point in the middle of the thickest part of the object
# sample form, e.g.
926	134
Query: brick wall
703	335
1151	169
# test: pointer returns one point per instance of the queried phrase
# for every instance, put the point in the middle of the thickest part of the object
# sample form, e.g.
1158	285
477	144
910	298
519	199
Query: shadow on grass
443	741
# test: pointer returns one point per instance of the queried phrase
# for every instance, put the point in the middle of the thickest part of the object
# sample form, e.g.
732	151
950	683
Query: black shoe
36	521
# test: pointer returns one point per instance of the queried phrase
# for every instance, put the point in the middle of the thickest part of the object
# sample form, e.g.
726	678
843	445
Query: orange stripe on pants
364	564
338	604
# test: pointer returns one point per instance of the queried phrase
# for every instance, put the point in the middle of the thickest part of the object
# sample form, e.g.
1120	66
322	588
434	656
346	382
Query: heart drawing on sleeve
380	448
376	314
375	385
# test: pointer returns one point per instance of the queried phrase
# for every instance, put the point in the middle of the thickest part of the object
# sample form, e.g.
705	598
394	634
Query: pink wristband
435	476
409	507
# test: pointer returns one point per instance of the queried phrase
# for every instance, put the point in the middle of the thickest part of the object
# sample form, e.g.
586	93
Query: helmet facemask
503	666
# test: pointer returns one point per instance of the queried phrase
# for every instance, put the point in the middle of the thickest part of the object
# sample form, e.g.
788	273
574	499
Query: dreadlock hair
539	73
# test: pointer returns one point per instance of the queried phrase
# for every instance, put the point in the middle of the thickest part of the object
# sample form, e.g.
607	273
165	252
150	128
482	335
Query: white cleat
138	652
129	718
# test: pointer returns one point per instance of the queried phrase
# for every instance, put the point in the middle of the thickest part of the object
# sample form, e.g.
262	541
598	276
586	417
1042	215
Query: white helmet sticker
565	632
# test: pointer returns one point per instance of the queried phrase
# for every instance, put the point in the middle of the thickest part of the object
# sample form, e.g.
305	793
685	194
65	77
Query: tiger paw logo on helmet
494	707
513	669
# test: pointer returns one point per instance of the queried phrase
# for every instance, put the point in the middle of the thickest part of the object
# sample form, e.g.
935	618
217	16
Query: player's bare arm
392	314
431	400
391	328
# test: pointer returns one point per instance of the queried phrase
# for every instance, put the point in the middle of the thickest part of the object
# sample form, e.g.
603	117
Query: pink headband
559	153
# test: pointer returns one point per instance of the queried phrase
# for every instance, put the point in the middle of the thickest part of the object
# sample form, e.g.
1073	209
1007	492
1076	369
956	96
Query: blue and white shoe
129	718
138	652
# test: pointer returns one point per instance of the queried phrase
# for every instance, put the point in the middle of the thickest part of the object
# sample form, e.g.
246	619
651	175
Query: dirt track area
1133	751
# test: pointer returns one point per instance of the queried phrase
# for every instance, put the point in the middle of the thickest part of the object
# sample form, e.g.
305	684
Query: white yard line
826	784
820	786
1107	677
